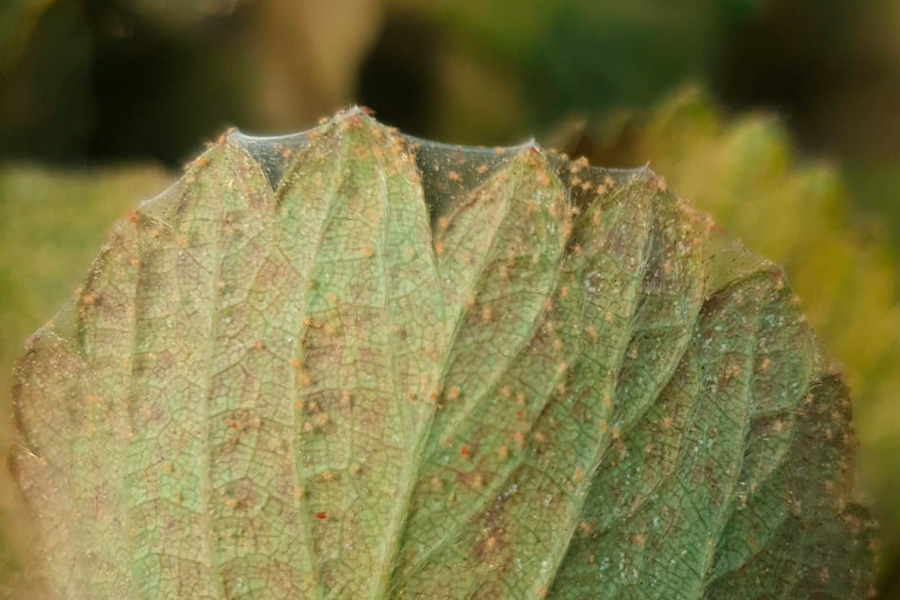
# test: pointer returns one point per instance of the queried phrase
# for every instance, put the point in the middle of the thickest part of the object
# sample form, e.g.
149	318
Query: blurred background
781	117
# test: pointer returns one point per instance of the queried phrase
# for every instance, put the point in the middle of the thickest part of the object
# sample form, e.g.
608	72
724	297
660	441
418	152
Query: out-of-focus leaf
563	55
138	78
877	184
745	174
349	364
17	19
180	14
45	104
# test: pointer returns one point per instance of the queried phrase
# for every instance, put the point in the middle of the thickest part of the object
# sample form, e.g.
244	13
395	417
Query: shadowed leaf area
351	364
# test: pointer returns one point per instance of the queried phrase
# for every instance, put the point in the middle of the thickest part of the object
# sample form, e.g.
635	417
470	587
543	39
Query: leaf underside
352	364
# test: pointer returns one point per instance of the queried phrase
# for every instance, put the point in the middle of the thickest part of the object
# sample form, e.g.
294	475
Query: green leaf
744	172
350	364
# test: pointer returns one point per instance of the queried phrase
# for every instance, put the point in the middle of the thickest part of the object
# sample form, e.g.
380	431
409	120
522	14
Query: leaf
744	173
50	222
350	364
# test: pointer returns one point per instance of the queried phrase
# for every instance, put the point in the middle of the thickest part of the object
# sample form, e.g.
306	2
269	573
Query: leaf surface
351	364
745	174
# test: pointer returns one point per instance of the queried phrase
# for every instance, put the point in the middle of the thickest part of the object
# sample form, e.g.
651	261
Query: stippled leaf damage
351	364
